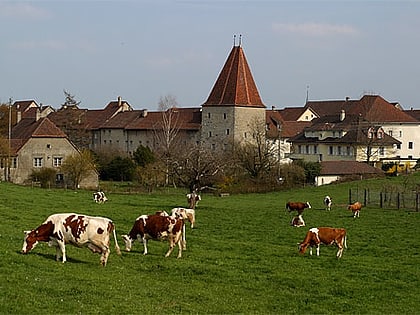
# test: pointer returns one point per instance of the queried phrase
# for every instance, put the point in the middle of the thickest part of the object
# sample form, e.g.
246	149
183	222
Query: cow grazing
355	208
185	213
99	197
156	227
76	229
324	235
193	199
328	202
297	221
297	206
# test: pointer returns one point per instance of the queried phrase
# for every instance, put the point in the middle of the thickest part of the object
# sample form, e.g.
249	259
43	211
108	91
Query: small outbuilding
332	171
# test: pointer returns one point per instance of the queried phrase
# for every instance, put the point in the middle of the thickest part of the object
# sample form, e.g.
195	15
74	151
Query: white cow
76	229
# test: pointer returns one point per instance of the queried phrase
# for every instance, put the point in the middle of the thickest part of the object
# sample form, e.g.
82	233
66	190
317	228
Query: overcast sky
143	50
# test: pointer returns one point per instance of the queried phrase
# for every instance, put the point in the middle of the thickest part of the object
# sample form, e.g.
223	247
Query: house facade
370	130
37	144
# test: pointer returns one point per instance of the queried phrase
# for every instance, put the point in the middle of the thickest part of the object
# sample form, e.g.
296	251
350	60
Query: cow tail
117	248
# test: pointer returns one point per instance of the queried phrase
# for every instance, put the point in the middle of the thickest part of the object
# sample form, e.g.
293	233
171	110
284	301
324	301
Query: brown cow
157	227
355	208
324	235
297	206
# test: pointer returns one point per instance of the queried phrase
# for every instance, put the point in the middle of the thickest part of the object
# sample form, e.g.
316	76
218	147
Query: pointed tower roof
235	85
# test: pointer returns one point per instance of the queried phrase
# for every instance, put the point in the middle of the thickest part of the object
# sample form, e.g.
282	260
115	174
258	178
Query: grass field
241	258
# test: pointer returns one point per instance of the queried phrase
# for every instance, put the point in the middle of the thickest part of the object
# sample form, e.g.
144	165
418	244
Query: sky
147	49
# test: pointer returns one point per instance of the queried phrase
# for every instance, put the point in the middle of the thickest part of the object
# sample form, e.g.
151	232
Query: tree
256	156
77	167
70	100
120	168
166	130
143	156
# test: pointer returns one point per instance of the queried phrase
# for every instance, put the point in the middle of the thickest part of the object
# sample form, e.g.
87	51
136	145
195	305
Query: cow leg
184	241
317	250
340	250
104	256
310	250
145	246
61	247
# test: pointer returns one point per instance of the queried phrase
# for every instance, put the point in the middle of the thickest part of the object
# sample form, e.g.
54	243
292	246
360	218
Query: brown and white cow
297	221
193	199
324	235
156	227
186	215
355	208
76	229
297	206
99	197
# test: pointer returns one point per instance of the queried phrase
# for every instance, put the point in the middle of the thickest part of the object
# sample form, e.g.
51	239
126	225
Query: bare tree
70	100
167	129
258	155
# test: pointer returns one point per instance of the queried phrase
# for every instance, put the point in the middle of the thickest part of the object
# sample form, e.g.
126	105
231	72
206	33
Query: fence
386	199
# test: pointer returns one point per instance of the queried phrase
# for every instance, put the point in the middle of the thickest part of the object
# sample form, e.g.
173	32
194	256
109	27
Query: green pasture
241	258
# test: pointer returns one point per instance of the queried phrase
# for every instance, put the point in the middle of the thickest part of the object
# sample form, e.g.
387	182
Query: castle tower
234	105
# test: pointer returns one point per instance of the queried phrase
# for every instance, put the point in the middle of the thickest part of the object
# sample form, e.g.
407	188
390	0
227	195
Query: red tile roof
235	84
347	168
29	128
370	107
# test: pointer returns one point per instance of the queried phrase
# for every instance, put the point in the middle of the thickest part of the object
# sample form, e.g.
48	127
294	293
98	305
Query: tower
234	105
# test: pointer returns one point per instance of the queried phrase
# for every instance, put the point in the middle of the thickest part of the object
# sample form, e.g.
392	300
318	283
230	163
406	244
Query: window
227	132
307	149
339	150
399	146
348	149
400	133
38	162
209	134
208	115
331	150
410	145
48	146
57	161
213	146
315	149
224	115
390	132
14	162
299	149
380	135
381	151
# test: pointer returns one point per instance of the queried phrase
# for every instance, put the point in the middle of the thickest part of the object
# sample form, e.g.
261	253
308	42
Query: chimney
119	101
144	113
347	98
342	115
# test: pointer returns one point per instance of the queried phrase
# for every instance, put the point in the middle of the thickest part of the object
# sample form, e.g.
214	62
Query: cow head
308	204
128	242
30	241
302	247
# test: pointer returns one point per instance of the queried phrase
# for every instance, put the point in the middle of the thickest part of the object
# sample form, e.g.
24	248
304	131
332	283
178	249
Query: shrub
45	176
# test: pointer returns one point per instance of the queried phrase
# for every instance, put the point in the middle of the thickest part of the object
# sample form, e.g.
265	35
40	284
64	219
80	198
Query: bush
45	176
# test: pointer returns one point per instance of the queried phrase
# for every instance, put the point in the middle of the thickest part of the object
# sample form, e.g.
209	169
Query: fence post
349	196
380	199
365	197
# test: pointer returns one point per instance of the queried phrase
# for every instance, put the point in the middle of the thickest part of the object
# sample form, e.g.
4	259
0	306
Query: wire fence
386	199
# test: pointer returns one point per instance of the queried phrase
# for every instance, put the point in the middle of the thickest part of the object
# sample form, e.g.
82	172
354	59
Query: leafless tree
257	155
166	130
